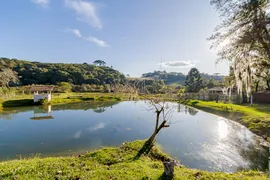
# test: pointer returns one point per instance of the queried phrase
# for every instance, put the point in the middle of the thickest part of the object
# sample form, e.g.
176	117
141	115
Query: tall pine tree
193	81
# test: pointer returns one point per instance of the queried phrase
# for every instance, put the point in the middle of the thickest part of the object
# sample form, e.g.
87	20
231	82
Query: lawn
125	162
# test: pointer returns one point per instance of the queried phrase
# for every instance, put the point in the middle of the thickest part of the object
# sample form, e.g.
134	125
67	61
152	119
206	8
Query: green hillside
53	73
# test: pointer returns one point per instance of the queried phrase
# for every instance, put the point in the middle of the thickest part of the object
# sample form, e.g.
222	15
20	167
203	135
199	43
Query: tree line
21	72
178	77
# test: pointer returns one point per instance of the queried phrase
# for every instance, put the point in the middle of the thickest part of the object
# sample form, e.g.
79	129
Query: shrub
43	102
63	87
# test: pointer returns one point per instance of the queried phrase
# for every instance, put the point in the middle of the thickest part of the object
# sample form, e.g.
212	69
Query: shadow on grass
165	177
144	150
265	108
20	102
194	102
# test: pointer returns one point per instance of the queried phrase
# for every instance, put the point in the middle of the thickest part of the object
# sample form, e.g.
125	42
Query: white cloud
177	64
96	127
95	40
77	135
87	12
43	3
76	32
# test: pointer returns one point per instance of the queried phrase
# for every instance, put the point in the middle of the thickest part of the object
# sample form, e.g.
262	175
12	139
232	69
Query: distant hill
215	77
176	78
53	73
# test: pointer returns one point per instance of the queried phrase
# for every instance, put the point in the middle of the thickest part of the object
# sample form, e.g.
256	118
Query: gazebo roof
42	88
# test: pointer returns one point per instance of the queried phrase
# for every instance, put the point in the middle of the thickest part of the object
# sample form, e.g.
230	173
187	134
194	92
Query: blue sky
130	35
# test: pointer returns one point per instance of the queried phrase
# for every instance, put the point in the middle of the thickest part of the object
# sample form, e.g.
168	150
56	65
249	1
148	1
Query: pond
199	140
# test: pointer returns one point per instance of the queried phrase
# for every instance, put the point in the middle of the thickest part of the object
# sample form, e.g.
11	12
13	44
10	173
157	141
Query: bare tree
163	111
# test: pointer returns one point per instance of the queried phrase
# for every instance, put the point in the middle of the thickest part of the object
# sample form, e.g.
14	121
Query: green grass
110	163
63	98
79	97
18	103
256	117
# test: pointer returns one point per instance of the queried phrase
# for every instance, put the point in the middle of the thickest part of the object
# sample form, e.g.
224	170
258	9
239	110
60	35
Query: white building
42	92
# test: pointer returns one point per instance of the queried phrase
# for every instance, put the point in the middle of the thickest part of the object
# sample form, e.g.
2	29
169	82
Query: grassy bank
63	98
80	97
109	163
256	117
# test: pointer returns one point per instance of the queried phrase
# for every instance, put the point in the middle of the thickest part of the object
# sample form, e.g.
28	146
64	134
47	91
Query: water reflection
98	107
44	113
222	128
198	139
192	111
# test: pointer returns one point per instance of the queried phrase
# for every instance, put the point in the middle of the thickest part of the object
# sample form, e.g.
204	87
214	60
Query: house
42	92
223	90
216	90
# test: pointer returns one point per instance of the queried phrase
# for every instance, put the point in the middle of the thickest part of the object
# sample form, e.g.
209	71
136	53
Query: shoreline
258	122
124	162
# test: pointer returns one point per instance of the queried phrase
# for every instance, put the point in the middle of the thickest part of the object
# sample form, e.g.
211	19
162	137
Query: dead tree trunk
158	127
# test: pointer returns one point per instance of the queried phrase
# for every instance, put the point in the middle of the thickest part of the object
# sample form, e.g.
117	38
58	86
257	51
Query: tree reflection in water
192	111
98	107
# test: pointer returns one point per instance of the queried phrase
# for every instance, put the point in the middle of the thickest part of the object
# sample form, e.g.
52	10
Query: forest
53	73
98	77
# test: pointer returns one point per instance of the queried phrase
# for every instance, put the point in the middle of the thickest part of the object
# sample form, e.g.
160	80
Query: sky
133	36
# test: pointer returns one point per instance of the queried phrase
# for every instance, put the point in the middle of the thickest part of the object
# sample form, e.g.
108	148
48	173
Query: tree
64	87
163	111
244	22
243	38
193	80
54	73
99	63
265	76
210	83
8	76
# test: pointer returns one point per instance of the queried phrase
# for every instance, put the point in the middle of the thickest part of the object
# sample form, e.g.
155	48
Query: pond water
199	140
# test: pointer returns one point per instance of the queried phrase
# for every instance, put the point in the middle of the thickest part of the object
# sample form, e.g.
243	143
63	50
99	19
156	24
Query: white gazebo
42	92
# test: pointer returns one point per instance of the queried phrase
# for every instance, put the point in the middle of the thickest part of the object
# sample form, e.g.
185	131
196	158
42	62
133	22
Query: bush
43	102
64	87
90	88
